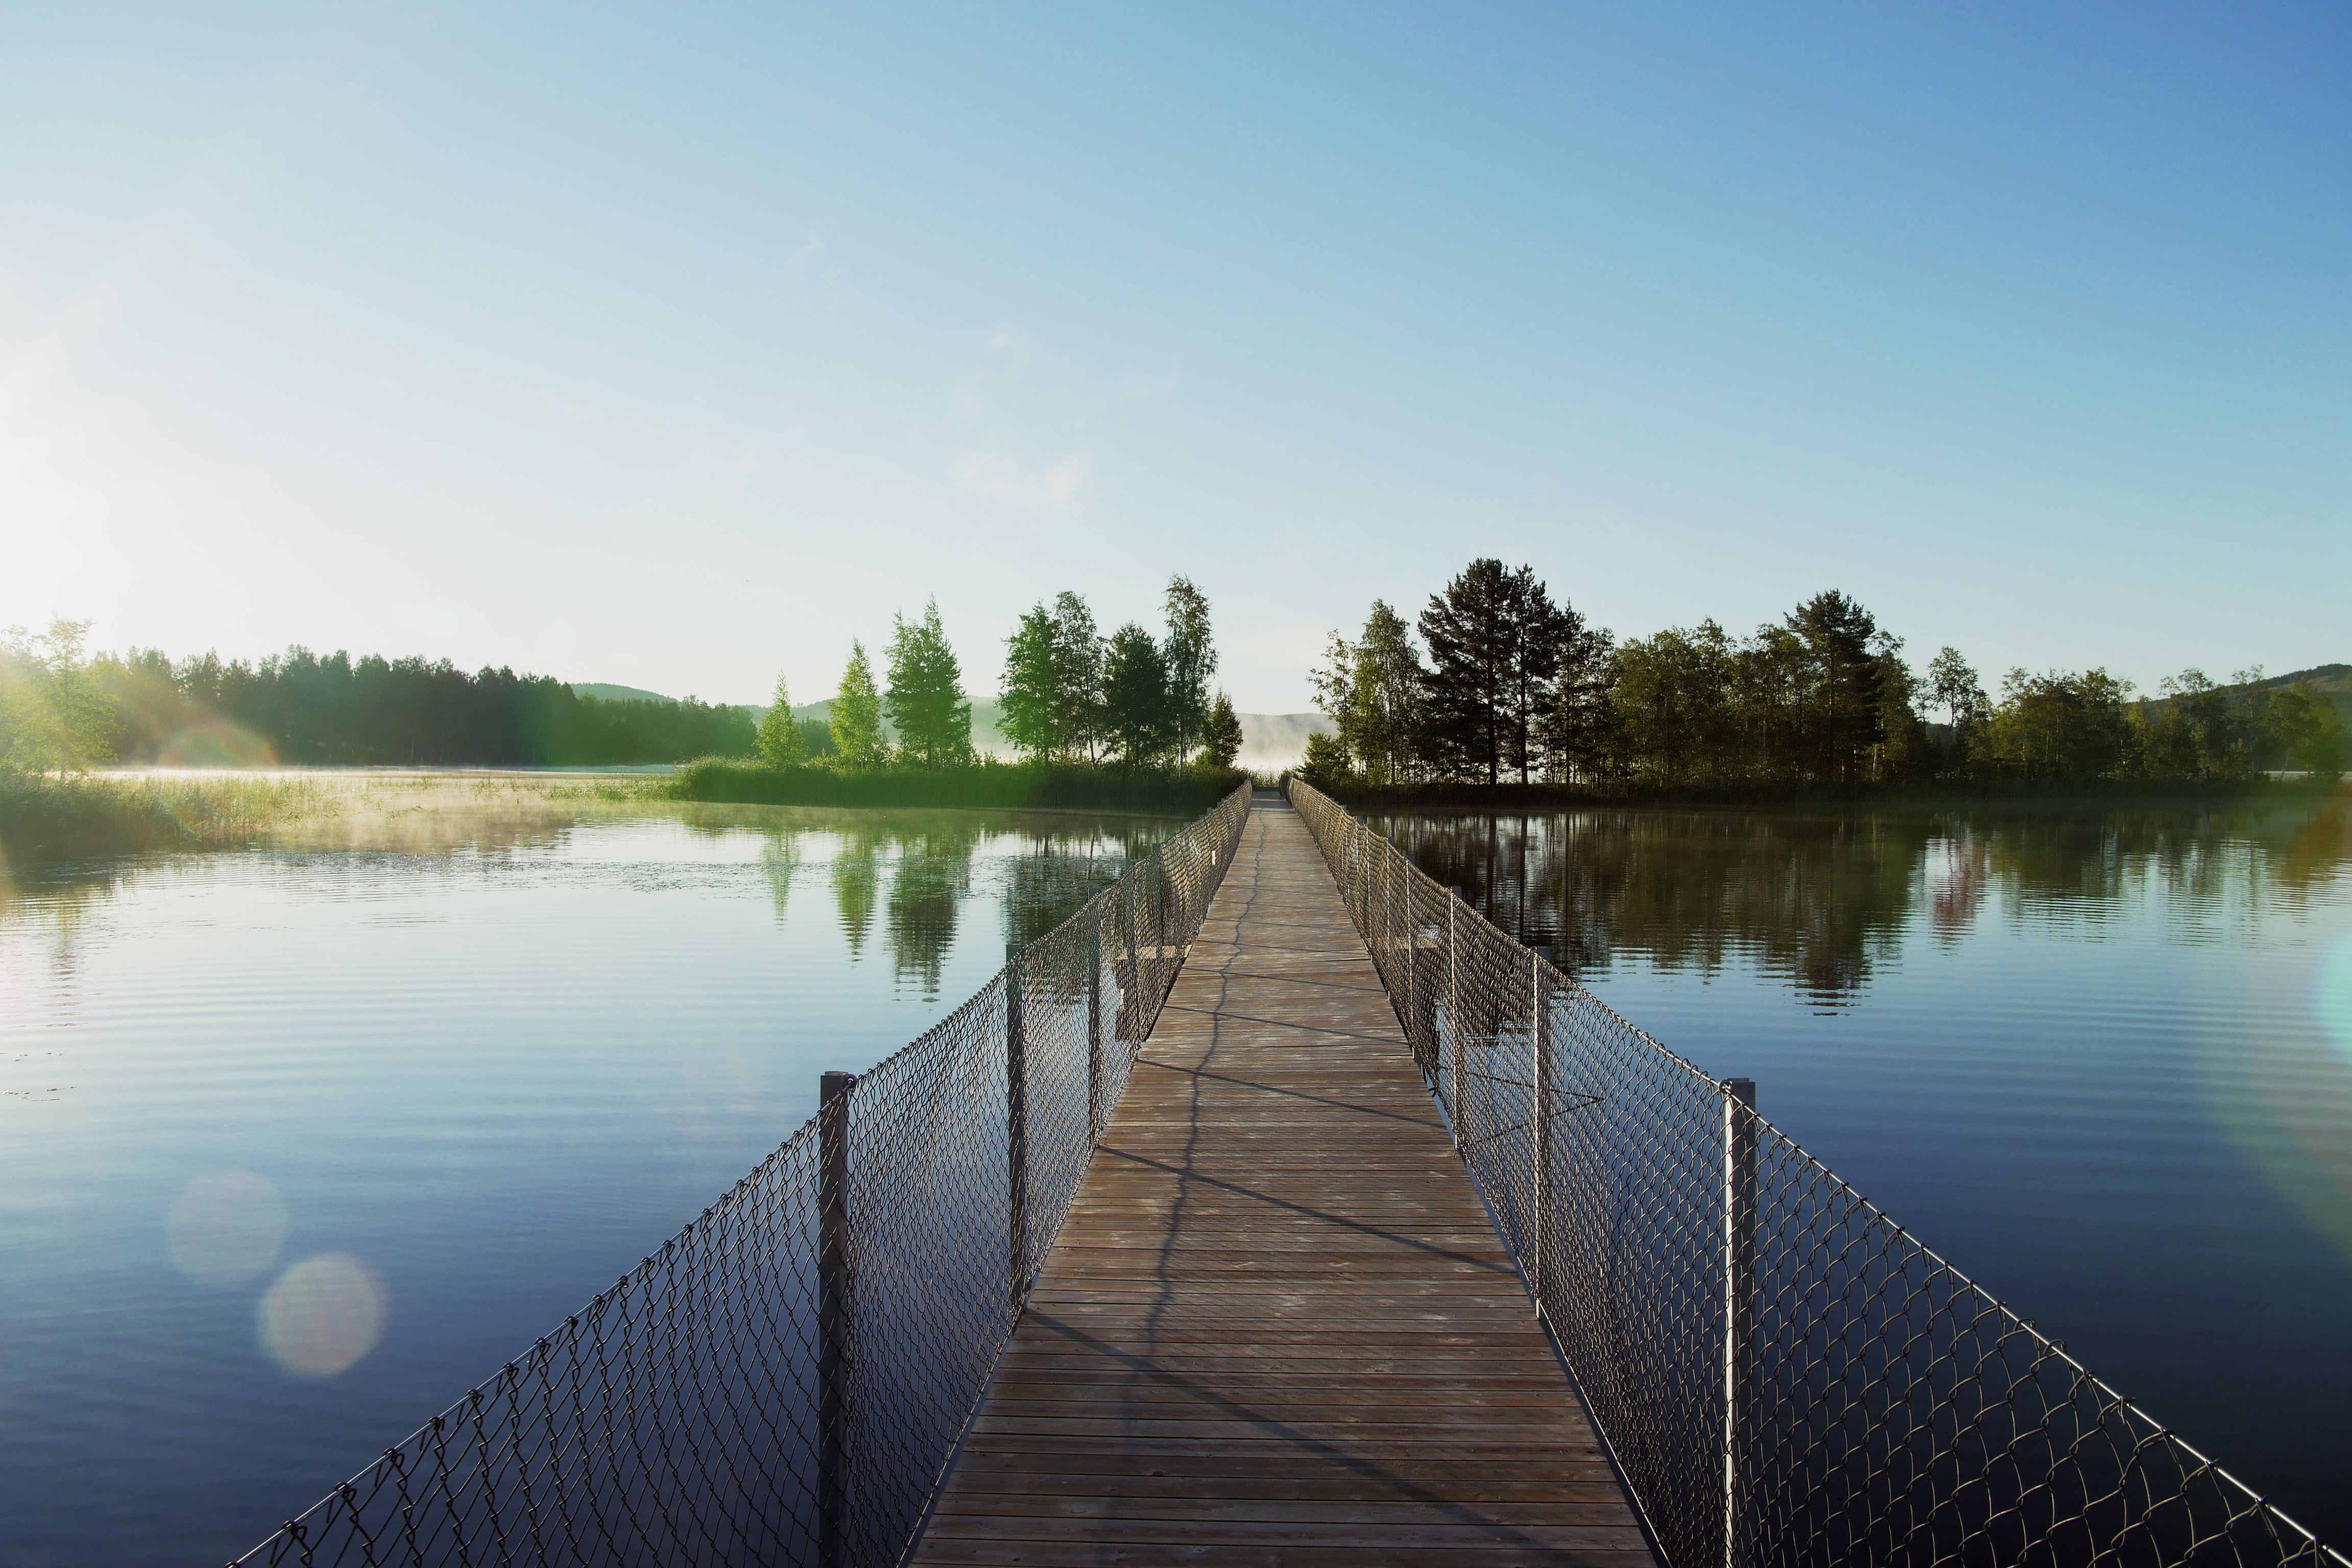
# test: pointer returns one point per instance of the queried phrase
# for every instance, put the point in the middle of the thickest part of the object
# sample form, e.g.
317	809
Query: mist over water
2101	1060
299	1144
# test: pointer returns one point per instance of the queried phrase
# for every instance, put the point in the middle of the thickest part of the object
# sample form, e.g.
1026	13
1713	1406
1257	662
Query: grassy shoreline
1002	785
54	819
51	818
1514	798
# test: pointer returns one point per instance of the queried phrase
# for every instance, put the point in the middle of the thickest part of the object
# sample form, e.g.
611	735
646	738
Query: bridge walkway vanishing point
1278	1327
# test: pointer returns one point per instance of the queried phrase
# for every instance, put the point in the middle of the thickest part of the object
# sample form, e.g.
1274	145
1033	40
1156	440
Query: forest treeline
61	709
1504	684
1074	701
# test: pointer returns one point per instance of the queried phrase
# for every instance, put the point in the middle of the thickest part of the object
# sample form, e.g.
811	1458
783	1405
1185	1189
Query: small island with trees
1507	694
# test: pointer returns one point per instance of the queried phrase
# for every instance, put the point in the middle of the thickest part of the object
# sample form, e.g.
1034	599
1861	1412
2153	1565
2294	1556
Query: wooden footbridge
1279	1327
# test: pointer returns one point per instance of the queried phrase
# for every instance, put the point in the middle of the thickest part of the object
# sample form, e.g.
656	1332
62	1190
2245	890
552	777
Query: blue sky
668	345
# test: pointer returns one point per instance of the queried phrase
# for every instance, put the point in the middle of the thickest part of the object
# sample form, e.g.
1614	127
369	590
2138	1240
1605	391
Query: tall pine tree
1494	638
857	714
780	735
926	699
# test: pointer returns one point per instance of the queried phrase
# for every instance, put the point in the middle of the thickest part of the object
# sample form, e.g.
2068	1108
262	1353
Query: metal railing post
1159	942
1123	961
832	1262
1738	1296
1094	1033
1449	1012
1412	923
1016	1126
1539	1118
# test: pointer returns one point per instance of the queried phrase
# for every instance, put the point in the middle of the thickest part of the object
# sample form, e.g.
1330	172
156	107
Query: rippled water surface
294	1146
2101	1060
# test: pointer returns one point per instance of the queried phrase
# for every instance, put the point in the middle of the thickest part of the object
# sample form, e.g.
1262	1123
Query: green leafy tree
1135	718
1953	688
1576	725
1372	690
2062	726
1326	763
926	699
55	715
1031	694
779	740
1078	676
1191	658
1223	743
857	720
1674	697
2307	730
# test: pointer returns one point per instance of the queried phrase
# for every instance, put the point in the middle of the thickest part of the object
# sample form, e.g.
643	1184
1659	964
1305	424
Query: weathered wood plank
1277	1327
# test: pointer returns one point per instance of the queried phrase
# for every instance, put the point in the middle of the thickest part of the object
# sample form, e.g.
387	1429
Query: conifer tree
779	738
857	714
1223	743
1494	638
926	698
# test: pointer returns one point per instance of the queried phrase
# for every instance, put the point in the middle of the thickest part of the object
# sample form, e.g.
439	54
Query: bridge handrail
786	1379
1783	1374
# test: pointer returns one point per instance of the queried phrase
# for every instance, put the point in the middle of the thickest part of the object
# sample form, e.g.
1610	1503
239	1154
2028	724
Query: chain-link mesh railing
785	1380
1784	1376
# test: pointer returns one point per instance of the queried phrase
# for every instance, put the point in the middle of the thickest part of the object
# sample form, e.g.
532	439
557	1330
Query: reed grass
46	817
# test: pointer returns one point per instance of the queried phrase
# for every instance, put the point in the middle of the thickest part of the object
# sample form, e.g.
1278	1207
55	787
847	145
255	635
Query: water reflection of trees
1824	899
928	858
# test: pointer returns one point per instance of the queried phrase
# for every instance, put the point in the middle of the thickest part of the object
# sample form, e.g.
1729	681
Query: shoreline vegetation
984	783
1126	722
54	818
1506	701
1361	798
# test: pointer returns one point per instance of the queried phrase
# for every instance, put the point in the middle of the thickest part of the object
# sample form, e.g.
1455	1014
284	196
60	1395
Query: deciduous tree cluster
1072	694
1506	684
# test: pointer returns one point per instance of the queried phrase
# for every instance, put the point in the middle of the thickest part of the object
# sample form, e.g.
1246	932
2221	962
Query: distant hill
1272	741
616	693
2336	680
2333	681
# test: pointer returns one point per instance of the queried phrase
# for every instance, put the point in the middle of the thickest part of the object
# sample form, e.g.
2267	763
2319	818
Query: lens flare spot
217	744
323	1315
2334	1001
225	1227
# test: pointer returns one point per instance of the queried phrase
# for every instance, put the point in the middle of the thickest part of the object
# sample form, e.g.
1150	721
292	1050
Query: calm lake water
297	1146
2101	1060
294	1146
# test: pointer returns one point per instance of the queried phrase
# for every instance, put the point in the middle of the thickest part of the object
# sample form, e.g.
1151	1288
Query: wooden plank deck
1278	1328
